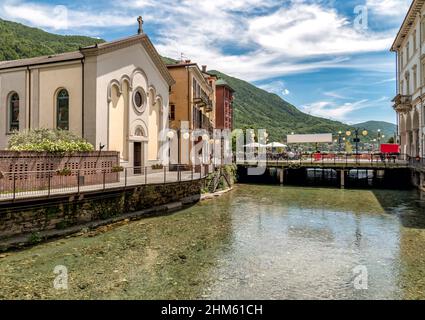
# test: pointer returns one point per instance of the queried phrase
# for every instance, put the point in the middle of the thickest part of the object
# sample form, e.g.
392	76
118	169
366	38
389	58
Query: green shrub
117	169
35	238
65	172
157	167
45	140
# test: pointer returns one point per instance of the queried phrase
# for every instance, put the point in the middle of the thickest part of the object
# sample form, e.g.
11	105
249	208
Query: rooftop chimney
204	69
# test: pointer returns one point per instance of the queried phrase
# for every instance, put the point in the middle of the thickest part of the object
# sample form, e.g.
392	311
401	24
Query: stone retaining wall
30	222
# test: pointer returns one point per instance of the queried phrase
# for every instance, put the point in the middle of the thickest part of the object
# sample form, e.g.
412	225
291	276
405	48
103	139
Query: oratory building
114	94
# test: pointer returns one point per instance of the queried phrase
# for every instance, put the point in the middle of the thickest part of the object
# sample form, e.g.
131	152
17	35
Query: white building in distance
409	101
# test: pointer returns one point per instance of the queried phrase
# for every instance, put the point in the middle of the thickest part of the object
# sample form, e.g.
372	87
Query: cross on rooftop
140	21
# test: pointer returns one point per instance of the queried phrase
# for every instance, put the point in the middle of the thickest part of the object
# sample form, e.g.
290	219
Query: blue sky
328	57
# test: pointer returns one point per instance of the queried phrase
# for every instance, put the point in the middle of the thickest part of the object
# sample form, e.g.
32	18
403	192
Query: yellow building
192	104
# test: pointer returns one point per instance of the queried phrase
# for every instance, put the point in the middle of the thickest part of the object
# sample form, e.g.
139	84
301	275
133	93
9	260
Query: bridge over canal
392	168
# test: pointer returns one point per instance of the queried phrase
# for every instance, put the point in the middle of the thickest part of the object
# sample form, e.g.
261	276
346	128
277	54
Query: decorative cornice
414	10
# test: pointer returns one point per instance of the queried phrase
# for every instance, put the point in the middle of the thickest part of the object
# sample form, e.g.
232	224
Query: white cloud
61	17
393	80
312	30
279	42
276	87
389	8
250	39
137	3
334	94
341	111
332	110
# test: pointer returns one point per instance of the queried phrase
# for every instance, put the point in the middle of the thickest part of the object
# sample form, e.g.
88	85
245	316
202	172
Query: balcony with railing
203	101
201	121
402	103
206	123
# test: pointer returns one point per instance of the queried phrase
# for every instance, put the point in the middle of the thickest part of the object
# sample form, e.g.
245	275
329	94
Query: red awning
390	148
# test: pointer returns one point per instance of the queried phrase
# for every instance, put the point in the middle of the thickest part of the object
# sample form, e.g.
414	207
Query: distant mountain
387	129
19	41
254	107
259	109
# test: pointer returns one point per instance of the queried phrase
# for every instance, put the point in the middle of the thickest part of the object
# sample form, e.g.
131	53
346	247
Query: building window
139	100
423	74
62	110
194	86
14	112
415	78
172	115
407	76
408	51
423	30
401	59
414	40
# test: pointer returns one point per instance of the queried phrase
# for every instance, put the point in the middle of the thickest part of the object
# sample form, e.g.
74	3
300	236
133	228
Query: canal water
257	242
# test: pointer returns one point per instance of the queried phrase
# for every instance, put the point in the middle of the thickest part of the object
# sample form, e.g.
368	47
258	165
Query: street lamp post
357	134
186	137
380	137
170	136
340	141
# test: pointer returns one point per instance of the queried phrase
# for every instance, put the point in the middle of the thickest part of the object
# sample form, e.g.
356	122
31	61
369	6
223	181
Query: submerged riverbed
257	242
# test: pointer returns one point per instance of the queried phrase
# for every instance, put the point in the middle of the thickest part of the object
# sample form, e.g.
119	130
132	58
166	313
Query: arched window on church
62	110
14	112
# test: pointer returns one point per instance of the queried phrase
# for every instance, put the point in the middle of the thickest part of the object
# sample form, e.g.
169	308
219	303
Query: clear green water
257	242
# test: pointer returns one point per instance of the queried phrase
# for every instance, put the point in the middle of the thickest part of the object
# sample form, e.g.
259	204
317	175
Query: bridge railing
417	163
341	159
38	184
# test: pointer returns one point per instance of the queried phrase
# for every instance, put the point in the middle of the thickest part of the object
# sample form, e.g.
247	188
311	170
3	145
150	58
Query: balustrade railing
335	159
26	184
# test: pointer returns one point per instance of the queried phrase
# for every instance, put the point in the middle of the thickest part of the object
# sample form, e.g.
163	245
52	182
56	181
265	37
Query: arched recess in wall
125	79
154	125
116	112
139	130
113	83
135	78
161	107
126	90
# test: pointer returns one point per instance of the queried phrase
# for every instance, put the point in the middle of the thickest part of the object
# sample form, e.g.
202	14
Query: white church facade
114	94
